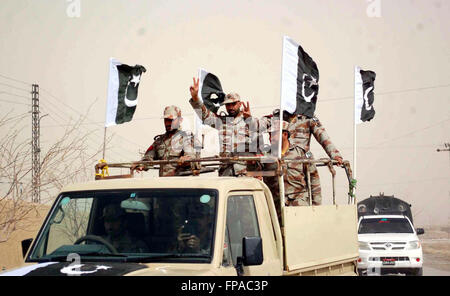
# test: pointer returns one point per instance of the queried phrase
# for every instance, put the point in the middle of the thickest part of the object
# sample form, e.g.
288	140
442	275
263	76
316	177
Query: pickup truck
388	242
240	233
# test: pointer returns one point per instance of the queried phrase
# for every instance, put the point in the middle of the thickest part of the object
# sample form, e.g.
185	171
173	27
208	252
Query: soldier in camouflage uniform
301	128
295	187
116	231
238	131
173	144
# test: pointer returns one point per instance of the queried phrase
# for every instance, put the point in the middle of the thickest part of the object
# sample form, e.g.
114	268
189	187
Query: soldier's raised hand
246	111
194	89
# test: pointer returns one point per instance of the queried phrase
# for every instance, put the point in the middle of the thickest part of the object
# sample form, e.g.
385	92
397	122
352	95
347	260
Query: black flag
300	83
122	92
210	90
364	95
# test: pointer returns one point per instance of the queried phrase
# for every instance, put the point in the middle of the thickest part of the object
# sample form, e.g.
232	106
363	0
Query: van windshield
385	225
130	225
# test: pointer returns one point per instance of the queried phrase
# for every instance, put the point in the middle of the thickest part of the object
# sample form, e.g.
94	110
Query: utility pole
447	148
35	145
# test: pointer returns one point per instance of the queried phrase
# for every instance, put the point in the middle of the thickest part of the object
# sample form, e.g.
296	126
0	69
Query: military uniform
171	146
168	147
119	237
237	136
125	243
295	186
301	128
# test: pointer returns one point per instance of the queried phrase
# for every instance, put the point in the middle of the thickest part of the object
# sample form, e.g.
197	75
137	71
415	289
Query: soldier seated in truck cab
116	231
194	236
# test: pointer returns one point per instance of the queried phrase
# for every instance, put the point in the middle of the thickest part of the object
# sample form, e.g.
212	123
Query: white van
389	244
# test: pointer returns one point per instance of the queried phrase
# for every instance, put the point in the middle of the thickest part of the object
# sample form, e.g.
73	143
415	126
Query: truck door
242	221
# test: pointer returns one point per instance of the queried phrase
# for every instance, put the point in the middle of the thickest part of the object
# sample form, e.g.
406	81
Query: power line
407	182
90	121
15	95
14	87
413	132
92	141
16	103
391	147
361	184
16	80
18	117
388	93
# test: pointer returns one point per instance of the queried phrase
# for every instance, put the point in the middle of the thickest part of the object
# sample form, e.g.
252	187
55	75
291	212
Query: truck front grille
388	245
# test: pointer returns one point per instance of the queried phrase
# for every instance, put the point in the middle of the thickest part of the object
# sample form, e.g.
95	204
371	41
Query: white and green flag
122	92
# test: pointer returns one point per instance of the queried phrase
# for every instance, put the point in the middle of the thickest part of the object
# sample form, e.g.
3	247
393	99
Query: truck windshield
385	225
129	225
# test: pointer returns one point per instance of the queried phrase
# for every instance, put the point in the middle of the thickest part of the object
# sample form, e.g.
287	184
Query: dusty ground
436	247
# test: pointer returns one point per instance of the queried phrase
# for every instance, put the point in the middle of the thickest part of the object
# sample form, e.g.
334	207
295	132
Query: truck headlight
364	246
414	245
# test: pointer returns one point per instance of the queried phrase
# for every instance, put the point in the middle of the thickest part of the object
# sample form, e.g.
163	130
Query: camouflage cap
172	112
112	212
232	98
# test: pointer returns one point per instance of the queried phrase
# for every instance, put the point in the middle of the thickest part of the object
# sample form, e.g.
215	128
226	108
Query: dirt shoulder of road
436	247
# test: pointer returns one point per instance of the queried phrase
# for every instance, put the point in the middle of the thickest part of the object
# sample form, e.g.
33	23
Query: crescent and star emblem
312	82
366	99
136	79
74	269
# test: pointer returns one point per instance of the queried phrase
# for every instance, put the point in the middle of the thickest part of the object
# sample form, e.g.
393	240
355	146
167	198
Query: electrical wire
16	80
16	88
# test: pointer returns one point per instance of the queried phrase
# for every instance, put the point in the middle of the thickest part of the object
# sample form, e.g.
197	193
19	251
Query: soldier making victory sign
238	130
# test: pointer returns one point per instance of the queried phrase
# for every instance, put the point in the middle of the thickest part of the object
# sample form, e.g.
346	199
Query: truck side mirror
252	251
26	243
420	231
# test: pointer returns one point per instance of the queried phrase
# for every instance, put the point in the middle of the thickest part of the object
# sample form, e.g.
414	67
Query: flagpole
280	119
104	143
354	126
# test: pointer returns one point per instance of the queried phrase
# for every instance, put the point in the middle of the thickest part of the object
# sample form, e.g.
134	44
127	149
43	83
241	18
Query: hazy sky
405	42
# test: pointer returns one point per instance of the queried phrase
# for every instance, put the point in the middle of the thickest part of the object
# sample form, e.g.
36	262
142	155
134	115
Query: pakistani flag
364	96
210	90
300	80
122	92
211	93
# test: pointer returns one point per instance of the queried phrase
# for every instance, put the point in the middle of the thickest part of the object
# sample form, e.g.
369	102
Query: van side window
241	222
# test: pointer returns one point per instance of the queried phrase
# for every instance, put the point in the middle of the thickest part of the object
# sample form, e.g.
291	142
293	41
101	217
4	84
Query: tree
67	159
